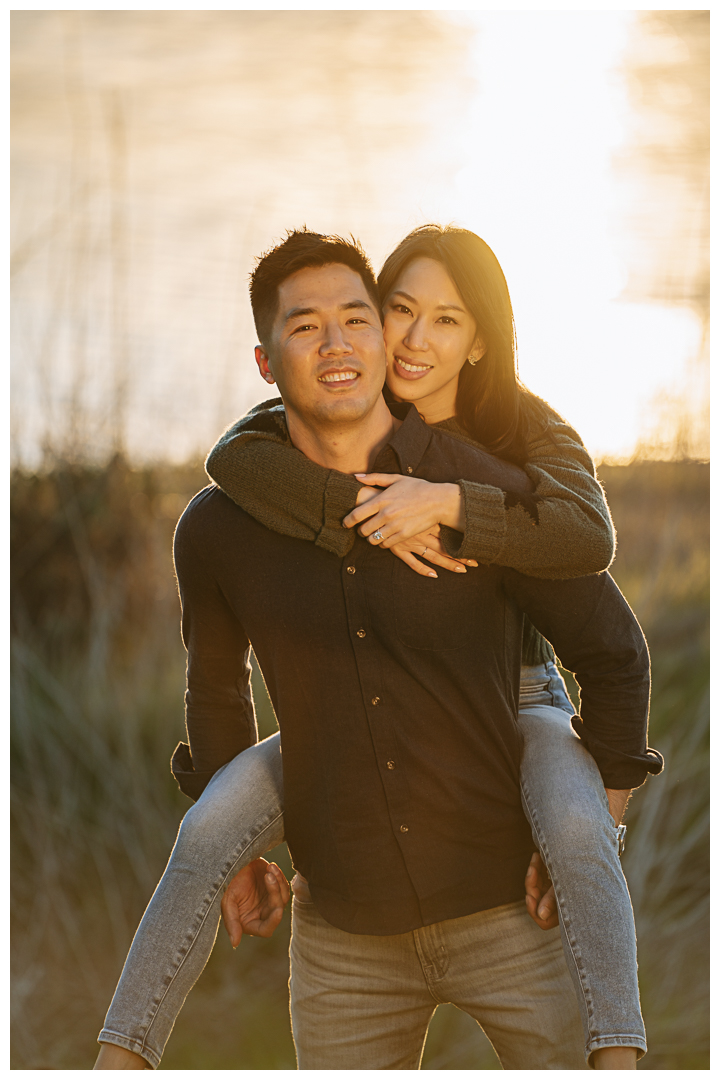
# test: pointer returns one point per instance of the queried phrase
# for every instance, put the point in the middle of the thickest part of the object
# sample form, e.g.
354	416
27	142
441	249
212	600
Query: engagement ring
377	535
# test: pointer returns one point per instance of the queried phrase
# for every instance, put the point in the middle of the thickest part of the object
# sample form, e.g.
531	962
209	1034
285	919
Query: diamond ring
377	535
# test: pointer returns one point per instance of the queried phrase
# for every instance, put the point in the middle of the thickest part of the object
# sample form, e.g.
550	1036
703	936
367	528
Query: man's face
326	351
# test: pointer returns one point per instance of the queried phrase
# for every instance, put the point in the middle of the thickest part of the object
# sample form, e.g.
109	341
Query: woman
450	340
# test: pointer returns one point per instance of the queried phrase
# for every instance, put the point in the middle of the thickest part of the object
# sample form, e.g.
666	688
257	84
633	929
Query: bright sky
548	116
239	125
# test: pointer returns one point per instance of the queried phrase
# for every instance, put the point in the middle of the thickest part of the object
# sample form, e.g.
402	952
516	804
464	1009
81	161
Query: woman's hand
427	546
405	508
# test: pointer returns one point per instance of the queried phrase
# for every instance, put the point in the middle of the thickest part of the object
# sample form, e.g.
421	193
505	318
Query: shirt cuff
340	495
485	524
190	782
619	771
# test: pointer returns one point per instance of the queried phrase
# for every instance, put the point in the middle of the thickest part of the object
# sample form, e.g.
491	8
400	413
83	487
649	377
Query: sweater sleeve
255	463
563	529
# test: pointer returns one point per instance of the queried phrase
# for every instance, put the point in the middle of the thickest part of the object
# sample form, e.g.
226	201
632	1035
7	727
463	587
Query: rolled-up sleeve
597	637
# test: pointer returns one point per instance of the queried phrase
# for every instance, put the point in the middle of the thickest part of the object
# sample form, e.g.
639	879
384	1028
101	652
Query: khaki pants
365	1002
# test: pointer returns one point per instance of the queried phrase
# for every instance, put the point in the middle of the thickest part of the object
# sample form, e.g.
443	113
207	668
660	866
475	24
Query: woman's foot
615	1057
116	1057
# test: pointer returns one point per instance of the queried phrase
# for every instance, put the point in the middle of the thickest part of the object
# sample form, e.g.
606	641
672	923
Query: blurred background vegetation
97	684
150	155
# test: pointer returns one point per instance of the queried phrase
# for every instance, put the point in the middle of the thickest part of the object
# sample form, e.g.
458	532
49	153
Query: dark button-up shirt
397	699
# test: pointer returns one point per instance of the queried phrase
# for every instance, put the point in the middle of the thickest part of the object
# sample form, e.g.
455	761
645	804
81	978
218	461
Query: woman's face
429	334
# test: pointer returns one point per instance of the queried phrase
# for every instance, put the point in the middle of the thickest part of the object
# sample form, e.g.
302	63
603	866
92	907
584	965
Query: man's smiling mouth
340	377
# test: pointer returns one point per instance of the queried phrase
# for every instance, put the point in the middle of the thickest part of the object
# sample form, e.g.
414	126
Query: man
396	699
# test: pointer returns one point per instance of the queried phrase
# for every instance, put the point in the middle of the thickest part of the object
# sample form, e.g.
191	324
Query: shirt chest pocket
435	614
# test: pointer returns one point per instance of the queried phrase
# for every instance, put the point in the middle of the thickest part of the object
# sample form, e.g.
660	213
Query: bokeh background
154	155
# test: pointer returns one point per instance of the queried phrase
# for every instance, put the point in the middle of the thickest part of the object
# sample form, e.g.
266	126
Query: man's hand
540	894
254	901
617	801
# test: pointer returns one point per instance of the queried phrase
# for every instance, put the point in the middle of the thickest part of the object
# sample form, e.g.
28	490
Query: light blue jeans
239	817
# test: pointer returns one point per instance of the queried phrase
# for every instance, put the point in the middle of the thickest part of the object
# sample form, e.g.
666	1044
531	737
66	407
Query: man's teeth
412	367
341	376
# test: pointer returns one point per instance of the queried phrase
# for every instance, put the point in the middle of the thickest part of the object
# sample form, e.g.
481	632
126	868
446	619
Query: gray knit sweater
567	533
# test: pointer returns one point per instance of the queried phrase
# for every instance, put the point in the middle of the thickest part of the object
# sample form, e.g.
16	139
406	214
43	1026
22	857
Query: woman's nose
416	338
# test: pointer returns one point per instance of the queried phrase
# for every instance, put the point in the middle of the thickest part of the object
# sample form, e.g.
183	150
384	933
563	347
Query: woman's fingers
365	507
401	506
378	479
438	558
414	564
411	553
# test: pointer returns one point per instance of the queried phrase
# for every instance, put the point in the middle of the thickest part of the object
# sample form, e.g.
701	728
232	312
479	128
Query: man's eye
356	320
307	326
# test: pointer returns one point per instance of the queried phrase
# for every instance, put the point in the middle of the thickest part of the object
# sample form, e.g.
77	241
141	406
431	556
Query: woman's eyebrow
439	307
405	295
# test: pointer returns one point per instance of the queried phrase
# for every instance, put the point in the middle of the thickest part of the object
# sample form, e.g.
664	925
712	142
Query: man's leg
511	976
356	1001
237	818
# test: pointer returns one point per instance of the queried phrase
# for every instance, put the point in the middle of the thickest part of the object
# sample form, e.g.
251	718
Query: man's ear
263	362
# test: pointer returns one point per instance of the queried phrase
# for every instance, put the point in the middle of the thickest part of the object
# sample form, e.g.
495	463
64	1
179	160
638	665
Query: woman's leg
566	805
237	818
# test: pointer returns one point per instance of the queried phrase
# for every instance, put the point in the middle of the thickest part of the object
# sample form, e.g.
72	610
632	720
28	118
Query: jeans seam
565	920
427	965
190	947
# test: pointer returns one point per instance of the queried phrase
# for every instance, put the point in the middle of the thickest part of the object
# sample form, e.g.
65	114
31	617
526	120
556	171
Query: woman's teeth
341	376
411	367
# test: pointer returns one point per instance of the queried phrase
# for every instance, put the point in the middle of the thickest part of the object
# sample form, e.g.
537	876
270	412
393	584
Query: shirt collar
406	449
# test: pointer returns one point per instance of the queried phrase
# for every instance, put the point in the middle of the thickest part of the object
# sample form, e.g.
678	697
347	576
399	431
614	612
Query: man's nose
416	337
335	342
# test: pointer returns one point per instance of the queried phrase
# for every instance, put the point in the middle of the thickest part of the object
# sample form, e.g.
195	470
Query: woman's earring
473	360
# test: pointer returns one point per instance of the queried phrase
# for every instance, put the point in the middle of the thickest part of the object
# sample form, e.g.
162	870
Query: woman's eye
402	309
449	320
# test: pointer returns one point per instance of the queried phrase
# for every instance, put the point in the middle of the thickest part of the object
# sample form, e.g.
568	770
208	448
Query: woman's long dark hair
492	404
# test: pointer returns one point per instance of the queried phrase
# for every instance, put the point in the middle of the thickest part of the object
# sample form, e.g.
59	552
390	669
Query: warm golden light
156	153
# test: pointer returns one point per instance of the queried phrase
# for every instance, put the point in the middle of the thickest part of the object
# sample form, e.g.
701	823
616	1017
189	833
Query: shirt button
351	569
360	633
403	828
409	469
376	701
391	764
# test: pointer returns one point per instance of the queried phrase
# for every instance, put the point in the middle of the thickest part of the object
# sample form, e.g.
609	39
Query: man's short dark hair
301	249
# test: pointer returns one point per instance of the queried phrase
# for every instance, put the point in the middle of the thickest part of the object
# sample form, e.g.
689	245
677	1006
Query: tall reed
98	673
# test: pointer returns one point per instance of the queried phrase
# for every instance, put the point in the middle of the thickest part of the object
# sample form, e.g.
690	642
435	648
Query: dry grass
97	709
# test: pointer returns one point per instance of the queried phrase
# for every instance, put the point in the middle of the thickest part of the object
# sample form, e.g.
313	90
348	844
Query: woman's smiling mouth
406	370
